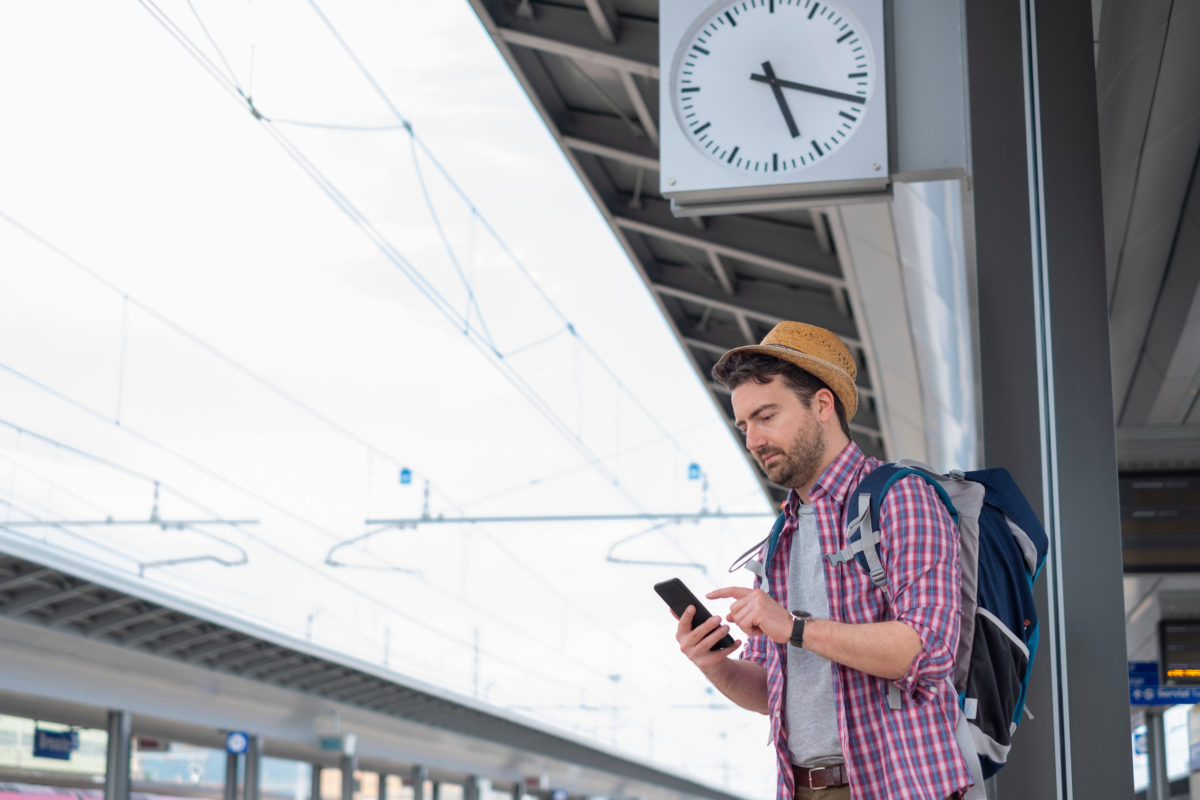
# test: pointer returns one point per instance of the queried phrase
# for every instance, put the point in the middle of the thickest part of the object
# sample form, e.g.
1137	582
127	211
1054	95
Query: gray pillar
420	774
435	792
1045	372
383	777
252	782
116	772
1156	756
314	791
349	764
518	791
231	776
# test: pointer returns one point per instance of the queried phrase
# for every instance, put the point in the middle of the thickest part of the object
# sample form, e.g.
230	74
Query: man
825	645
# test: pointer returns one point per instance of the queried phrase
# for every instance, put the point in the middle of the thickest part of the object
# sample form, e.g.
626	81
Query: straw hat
813	350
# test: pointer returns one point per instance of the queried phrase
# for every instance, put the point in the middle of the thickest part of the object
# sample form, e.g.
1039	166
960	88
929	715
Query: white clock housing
766	101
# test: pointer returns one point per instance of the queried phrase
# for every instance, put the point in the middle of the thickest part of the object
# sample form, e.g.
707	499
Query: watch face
772	85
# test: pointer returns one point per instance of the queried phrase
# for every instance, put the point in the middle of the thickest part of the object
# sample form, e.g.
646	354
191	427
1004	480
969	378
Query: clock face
772	86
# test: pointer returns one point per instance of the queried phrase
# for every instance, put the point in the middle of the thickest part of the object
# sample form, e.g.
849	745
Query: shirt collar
836	481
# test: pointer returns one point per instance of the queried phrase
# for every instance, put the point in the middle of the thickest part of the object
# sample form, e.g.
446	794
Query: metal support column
420	774
231	776
435	792
116	773
471	788
518	791
1045	376
383	778
349	764
252	781
314	791
1159	787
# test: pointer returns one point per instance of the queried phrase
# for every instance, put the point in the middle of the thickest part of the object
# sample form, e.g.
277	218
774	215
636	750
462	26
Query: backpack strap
751	563
966	744
863	534
862	530
865	544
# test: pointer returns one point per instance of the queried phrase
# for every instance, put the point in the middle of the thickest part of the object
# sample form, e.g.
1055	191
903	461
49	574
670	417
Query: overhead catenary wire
288	397
419	280
310	168
354	589
406	124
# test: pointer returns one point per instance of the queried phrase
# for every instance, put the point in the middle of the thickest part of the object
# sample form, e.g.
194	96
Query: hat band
811	357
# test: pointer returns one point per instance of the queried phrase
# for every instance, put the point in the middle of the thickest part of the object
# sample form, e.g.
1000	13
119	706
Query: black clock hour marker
817	147
857	75
814	10
772	6
690	89
850	117
702	127
729	17
734	153
775	161
845	36
699	49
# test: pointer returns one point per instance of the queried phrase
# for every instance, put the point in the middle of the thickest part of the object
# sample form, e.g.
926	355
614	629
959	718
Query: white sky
119	150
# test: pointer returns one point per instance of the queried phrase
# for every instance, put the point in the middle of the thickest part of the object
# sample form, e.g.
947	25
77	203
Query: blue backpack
1003	547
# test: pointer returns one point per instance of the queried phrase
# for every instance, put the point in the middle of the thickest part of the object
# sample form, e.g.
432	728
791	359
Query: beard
797	465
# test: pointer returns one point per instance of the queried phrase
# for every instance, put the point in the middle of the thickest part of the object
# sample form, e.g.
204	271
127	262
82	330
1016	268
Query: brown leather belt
821	777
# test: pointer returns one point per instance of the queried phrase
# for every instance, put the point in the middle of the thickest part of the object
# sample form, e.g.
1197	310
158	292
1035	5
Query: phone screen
679	597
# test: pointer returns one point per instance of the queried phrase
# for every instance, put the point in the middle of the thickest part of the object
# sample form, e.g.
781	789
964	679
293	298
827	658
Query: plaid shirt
910	752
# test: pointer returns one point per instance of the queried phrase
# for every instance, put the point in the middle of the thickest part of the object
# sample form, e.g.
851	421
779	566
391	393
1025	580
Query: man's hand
756	613
697	644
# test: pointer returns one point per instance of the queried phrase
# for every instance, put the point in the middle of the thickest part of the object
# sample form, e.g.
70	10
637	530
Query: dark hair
761	368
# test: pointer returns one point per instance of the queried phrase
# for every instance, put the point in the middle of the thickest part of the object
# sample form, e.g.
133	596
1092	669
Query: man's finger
736	592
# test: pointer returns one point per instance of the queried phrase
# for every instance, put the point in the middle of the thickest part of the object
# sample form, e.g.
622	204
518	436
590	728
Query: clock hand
804	87
777	90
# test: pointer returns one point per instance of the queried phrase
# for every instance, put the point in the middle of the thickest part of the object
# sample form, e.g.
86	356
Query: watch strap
798	619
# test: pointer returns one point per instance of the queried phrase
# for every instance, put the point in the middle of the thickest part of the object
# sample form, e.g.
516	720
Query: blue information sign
236	743
52	744
1144	689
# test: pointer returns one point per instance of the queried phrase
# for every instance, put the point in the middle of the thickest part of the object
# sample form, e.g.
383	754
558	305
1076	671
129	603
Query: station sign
1145	689
237	743
54	744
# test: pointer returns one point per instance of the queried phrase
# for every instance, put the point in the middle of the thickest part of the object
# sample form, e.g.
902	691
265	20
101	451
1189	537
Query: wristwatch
798	618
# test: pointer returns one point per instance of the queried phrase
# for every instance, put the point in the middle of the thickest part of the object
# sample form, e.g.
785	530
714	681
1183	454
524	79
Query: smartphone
679	597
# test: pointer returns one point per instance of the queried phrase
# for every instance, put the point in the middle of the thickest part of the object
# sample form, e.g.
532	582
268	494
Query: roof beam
640	107
122	621
604	17
160	631
258	655
725	277
29	577
216	633
553	32
354	680
269	660
205	653
769	302
298	672
365	695
85	609
33	602
610	152
775	246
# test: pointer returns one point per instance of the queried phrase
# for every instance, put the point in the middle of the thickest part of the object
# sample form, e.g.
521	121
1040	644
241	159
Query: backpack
1002	550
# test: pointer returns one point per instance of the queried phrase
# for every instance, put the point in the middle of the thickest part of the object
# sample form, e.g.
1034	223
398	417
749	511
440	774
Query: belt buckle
812	771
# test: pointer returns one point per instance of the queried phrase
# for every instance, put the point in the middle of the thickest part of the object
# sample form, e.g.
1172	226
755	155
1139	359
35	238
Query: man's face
782	433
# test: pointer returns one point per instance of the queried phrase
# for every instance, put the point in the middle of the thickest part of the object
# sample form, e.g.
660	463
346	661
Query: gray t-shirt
808	693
